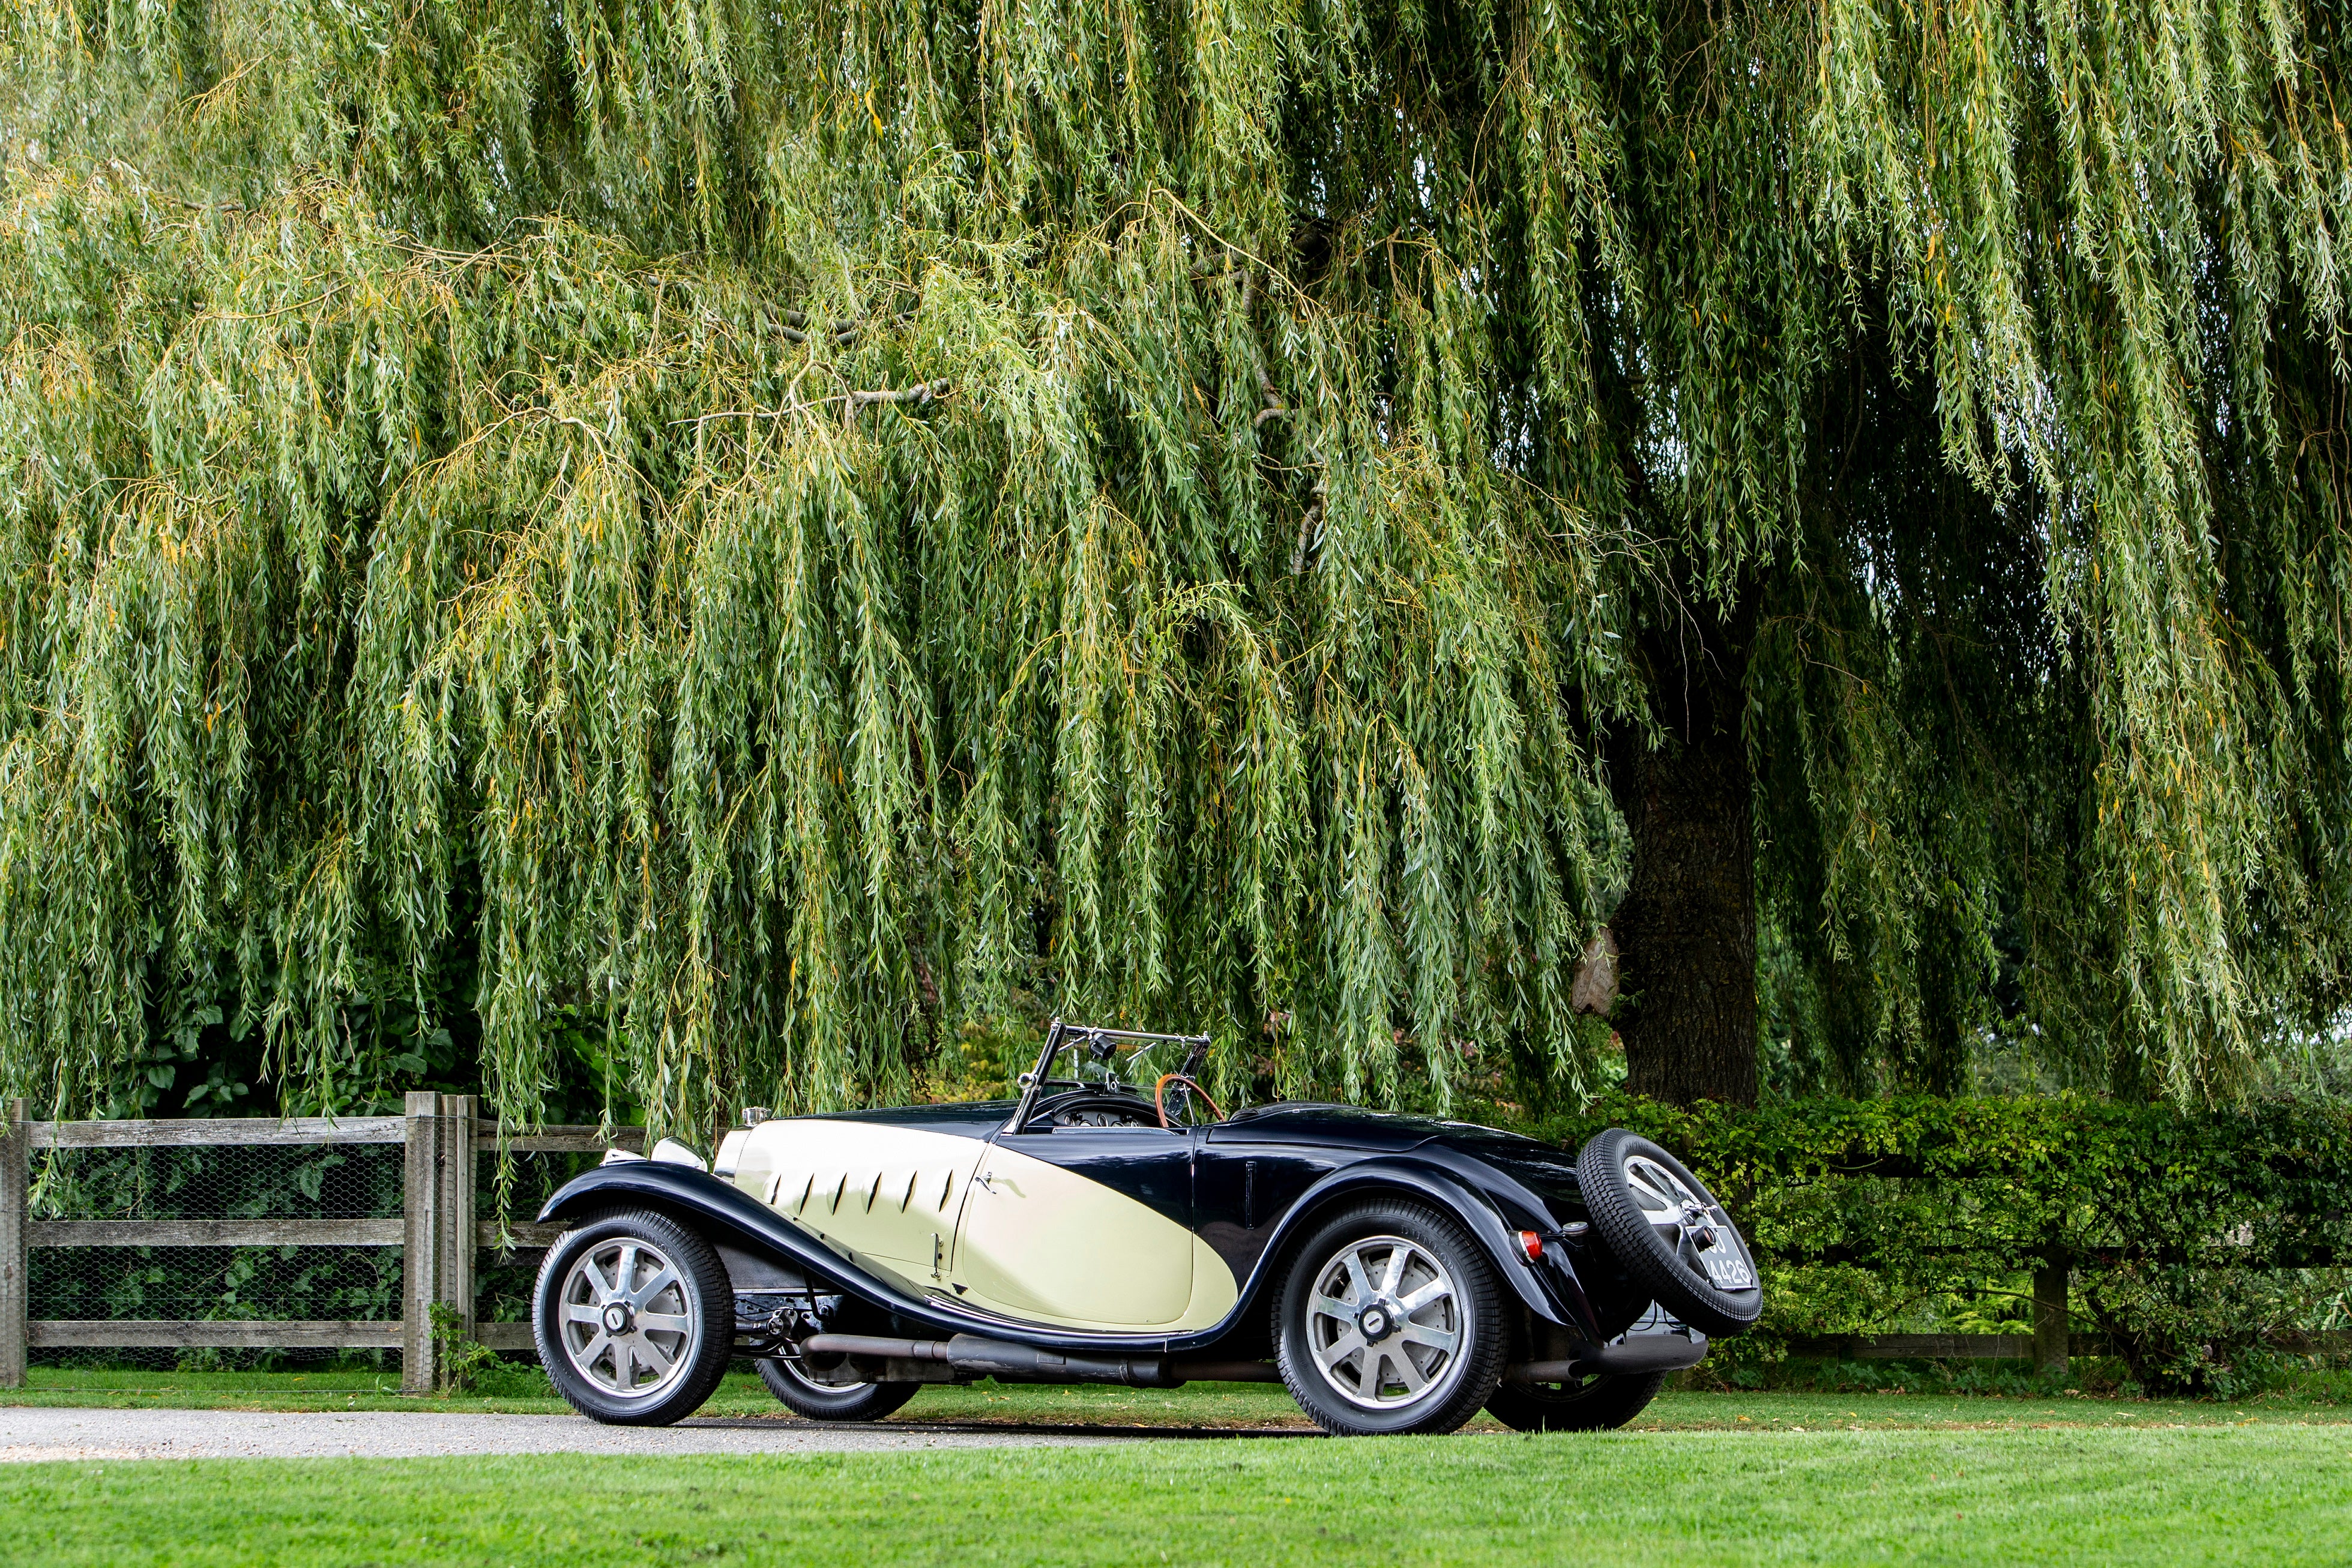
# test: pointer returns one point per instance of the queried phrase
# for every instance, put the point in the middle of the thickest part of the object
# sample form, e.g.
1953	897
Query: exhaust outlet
1649	1354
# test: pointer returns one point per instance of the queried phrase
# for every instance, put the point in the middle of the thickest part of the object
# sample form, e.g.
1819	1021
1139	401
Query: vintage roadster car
1112	1225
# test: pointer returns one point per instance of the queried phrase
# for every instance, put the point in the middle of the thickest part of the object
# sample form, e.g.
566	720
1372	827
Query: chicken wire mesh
299	1283
229	1182
503	1278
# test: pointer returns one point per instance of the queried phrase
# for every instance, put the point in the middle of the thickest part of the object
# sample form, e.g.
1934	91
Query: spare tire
1668	1231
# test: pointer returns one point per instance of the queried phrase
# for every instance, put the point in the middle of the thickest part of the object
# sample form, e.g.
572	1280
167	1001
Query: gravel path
28	1434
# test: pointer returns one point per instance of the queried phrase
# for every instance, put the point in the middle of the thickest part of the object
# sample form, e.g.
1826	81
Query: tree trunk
1686	927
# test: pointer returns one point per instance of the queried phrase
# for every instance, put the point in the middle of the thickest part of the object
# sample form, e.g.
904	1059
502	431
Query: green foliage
762	537
466	1365
2192	1240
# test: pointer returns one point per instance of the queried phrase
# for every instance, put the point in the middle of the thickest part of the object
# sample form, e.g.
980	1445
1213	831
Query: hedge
2198	1243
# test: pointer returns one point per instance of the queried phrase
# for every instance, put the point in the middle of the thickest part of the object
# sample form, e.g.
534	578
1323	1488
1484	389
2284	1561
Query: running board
972	1356
1635	1357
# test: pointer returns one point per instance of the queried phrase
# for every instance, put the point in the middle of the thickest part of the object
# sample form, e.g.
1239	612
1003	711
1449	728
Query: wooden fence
438	1231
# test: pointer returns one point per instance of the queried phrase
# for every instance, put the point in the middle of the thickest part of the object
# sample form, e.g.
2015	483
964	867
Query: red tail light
1531	1244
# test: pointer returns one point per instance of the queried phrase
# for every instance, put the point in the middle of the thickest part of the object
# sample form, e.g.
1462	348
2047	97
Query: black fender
1492	1206
727	1216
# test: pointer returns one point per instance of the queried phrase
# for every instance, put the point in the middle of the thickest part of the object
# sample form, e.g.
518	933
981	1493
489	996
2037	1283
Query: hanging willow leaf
773	528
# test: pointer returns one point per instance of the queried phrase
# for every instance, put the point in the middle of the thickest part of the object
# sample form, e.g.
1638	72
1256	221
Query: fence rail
224	1131
437	1231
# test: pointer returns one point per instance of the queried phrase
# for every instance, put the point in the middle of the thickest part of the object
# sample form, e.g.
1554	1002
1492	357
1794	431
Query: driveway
31	1433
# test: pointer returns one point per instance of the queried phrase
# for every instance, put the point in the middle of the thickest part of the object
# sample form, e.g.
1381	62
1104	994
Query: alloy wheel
1384	1324
627	1326
1692	1225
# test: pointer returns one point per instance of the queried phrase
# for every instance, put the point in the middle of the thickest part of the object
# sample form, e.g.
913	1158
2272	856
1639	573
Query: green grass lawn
1703	1477
1220	1405
2268	1493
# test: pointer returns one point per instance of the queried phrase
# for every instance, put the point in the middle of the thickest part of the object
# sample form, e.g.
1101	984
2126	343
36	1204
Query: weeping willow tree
783	529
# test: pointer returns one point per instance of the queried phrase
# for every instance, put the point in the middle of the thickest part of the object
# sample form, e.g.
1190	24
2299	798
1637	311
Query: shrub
2198	1243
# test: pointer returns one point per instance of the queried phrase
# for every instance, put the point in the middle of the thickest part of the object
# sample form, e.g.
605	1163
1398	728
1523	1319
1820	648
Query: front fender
727	1216
1471	1191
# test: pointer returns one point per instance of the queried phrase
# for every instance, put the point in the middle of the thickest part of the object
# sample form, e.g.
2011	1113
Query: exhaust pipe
1648	1353
970	1356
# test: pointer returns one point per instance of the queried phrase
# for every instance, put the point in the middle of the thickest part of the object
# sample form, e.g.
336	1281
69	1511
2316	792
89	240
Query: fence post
455	1269
16	1287
2049	1307
424	1235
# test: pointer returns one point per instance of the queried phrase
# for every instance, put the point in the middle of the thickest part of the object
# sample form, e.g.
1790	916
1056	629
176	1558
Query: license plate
1729	1272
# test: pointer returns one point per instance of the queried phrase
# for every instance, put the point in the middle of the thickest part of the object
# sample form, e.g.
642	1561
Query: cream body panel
1050	1246
883	1193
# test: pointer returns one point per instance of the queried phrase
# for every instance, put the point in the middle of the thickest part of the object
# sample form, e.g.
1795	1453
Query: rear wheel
798	1384
1389	1322
1599	1404
634	1319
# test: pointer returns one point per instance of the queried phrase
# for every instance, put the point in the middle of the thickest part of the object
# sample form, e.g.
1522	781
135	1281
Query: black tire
672	1274
1353	1398
1675	1268
1600	1403
804	1395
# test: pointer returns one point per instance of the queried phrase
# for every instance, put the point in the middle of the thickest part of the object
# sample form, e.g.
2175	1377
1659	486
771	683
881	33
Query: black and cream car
1113	1224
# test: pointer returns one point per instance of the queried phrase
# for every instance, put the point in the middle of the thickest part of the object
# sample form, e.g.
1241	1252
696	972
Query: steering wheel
1192	1087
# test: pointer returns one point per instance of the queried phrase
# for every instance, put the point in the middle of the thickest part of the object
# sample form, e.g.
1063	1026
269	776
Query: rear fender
1472	1193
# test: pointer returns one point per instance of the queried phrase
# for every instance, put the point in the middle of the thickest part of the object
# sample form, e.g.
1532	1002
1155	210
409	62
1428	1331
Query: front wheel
801	1392
1389	1322
1600	1403
635	1318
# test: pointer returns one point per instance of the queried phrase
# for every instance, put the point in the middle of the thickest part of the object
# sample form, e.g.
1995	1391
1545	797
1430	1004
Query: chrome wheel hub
626	1325
1384	1324
1692	1228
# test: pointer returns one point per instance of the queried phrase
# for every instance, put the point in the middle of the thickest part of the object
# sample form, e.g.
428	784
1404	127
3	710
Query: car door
1084	1227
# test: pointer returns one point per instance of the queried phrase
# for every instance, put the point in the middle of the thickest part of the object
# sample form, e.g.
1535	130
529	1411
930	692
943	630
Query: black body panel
1150	1164
1240	1194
